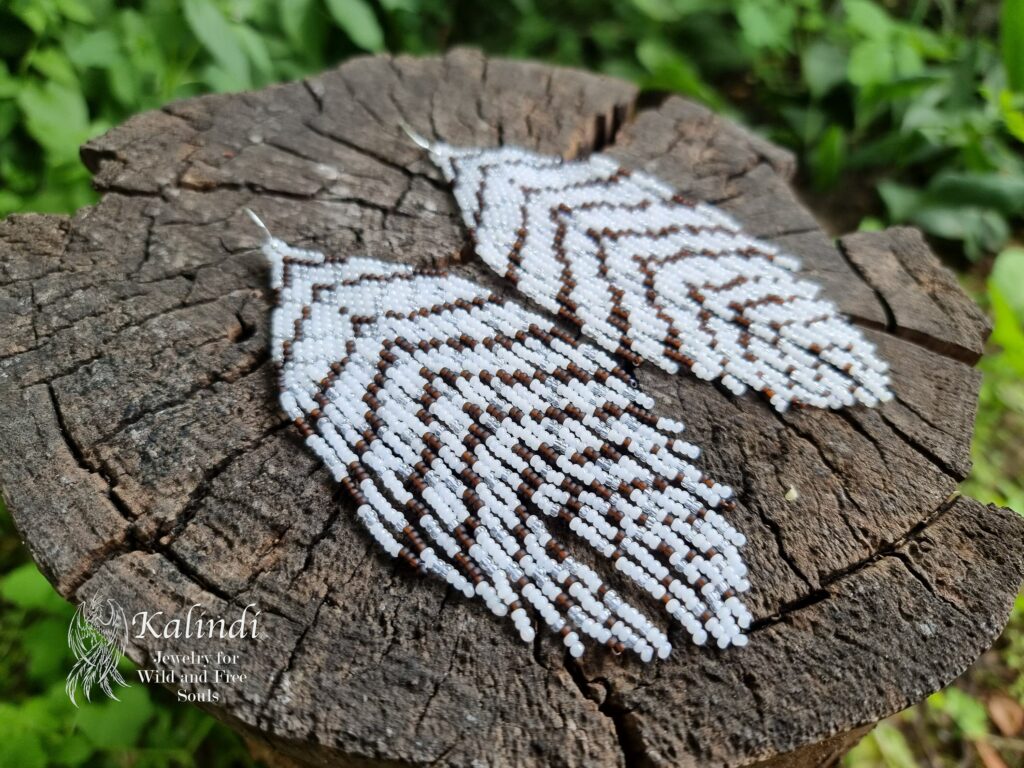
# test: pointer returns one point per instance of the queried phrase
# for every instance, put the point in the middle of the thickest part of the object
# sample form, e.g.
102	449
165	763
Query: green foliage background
907	111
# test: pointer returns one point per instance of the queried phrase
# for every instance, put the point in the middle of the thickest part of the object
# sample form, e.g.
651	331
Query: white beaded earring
462	426
652	276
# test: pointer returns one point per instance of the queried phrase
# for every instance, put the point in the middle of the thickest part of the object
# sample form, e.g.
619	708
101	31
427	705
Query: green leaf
37	711
110	724
9	85
867	18
8	119
256	49
27	588
220	41
35	16
659	10
983	230
807	124
124	83
56	116
75	10
893	747
766	26
409	6
1003	192
871	63
1007	333
64	187
1012	42
49	656
964	710
1008	278
824	67
53	64
828	156
1013	117
900	201
296	18
72	750
671	70
907	61
23	749
356	17
98	48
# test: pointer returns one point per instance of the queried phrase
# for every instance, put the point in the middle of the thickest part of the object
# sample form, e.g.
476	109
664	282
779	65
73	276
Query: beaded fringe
462	425
650	275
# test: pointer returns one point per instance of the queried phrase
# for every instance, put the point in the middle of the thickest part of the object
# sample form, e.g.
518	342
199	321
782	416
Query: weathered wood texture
144	458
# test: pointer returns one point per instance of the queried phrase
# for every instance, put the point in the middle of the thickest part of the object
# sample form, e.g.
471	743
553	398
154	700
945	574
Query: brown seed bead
462	537
409	558
414	537
472	501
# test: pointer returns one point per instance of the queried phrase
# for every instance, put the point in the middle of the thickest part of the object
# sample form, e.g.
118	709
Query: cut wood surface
144	458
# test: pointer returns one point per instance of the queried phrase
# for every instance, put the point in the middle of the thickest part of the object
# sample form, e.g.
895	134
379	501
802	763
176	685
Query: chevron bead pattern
470	432
652	276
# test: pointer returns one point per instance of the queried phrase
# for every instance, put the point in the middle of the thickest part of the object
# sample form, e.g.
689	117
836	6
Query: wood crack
923	450
50	376
79	456
278	679
885	550
380	158
252	363
943	347
171	531
630	744
437	687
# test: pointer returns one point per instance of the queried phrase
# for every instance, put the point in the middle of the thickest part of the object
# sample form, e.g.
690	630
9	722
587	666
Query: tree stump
145	460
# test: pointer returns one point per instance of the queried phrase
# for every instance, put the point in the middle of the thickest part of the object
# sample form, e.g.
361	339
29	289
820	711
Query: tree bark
145	460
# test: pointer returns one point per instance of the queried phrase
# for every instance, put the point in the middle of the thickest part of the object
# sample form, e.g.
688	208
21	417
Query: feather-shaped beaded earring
650	275
463	425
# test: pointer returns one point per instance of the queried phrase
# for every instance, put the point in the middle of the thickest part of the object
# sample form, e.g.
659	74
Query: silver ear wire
259	223
416	138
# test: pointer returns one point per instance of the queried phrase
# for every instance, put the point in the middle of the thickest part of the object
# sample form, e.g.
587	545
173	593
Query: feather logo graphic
97	637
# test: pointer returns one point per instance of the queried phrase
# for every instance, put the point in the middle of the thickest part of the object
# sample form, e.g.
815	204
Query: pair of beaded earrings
463	425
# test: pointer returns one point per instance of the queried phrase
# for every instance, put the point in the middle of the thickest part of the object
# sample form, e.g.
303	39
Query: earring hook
417	139
259	223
